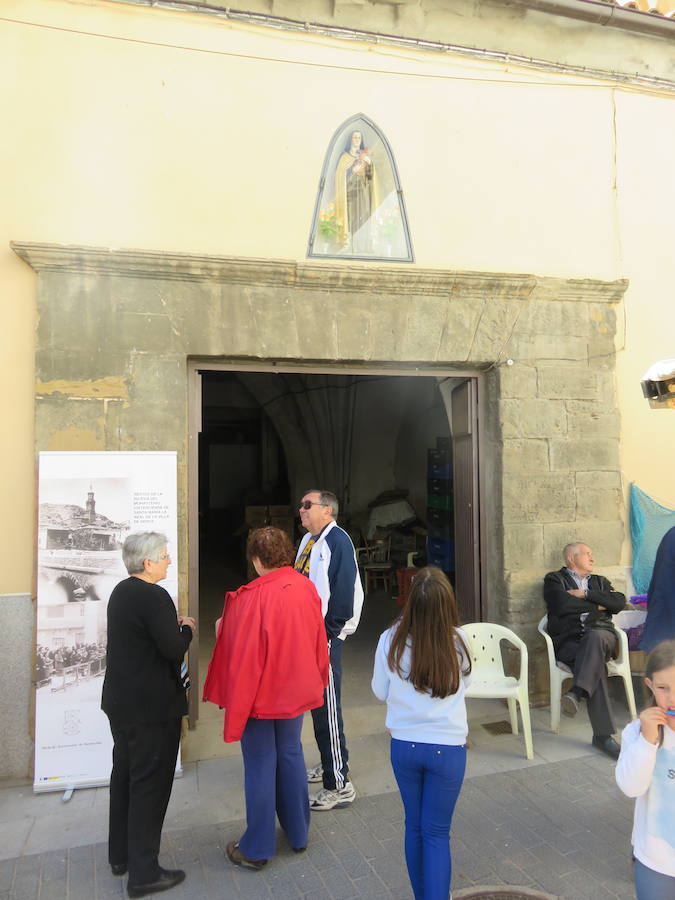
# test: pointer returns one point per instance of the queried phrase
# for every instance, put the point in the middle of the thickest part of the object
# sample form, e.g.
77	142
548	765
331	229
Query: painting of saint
359	211
356	194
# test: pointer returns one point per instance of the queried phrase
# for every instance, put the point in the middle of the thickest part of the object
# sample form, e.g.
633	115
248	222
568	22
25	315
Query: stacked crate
259	516
282	517
279	516
440	521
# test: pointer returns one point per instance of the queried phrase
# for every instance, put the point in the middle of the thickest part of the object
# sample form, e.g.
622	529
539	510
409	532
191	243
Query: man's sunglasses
308	504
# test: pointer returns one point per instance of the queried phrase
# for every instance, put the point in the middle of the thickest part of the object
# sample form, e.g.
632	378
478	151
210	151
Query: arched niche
359	211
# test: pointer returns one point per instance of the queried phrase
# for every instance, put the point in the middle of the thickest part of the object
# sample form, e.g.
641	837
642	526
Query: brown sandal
235	856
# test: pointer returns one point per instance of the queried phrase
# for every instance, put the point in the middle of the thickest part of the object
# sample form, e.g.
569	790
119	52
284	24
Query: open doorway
399	450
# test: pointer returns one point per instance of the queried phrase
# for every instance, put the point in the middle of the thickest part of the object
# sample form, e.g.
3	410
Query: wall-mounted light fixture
658	384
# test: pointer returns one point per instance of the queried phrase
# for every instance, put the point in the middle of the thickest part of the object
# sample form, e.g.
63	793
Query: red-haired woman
422	668
269	666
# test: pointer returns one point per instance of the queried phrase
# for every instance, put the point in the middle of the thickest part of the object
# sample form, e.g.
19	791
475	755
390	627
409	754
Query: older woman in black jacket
144	699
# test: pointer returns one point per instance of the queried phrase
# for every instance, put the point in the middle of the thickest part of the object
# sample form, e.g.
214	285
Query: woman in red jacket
269	666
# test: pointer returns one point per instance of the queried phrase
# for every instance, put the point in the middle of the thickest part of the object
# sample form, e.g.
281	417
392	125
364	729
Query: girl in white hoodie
422	666
646	771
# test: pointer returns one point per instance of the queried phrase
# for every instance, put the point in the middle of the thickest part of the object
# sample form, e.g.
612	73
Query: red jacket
270	660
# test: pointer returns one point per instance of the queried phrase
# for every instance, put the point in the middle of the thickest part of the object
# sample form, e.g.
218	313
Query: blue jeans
275	782
429	778
651	885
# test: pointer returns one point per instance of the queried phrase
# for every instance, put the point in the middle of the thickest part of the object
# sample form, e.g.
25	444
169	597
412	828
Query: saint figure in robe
355	195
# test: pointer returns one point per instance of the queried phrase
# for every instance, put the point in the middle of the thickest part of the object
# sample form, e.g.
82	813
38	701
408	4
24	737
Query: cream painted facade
144	128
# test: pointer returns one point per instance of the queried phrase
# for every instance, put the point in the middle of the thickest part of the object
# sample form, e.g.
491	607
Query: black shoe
167	878
569	704
118	868
607	744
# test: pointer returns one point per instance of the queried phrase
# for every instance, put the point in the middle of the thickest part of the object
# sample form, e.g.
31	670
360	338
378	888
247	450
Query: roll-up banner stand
88	504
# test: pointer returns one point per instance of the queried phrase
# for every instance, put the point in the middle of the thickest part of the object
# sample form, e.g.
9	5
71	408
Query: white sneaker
315	774
327	799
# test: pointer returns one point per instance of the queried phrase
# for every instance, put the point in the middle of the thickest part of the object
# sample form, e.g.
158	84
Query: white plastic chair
488	678
559	672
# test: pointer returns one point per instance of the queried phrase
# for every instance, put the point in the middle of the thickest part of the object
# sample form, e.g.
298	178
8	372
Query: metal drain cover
501	892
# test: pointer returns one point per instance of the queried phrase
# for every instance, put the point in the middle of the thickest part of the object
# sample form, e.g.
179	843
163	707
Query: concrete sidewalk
557	823
562	828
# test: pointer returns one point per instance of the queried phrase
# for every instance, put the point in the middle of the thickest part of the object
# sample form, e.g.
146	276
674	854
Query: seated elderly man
580	607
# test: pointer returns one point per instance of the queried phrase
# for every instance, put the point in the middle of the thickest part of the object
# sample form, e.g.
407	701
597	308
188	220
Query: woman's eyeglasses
308	504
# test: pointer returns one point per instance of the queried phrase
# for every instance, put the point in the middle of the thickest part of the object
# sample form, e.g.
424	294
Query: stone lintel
333	276
581	290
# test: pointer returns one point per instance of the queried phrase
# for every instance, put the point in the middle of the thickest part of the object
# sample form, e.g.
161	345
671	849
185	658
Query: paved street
560	827
556	823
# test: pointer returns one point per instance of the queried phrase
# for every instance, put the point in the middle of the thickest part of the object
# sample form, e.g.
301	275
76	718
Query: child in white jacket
646	771
422	666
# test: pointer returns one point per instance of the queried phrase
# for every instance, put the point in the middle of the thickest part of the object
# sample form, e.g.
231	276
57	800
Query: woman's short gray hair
141	546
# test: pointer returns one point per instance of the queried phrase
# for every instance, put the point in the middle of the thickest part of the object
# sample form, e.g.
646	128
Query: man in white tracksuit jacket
326	555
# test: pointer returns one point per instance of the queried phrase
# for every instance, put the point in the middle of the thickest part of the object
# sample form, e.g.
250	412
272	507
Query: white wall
135	127
646	204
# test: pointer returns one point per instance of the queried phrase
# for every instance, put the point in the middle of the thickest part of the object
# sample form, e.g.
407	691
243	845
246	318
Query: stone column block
567	383
525	587
585	454
532	418
594	407
607	389
617	575
517	382
604	539
595	424
541	498
602	336
602	351
598	503
557	350
598	480
523	546
521	456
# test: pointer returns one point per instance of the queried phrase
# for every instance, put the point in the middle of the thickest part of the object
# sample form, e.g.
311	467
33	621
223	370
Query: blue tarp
649	521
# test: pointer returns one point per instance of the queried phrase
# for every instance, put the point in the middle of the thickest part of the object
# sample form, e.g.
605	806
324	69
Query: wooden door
466	500
194	434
